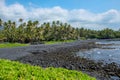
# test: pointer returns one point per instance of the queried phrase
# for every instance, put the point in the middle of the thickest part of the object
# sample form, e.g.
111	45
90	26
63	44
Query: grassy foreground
10	45
11	70
56	42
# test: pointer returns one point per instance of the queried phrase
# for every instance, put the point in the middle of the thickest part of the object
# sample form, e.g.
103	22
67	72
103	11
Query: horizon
97	14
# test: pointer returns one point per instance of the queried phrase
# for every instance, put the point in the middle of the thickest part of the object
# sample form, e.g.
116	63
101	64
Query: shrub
11	70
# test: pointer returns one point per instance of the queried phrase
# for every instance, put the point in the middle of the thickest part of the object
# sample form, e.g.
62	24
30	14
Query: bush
11	70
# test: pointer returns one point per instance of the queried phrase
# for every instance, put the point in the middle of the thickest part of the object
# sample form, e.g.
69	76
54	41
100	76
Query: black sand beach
62	55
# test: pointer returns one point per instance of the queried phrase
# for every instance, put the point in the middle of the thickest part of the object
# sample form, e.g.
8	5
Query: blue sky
91	5
93	14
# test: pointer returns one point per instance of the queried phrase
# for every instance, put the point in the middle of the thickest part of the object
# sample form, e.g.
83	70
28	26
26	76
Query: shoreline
15	53
62	55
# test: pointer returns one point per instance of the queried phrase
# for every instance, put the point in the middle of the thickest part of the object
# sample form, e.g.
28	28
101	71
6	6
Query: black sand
62	55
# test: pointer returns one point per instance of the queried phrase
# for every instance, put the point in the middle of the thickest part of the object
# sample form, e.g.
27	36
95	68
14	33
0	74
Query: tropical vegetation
11	70
33	31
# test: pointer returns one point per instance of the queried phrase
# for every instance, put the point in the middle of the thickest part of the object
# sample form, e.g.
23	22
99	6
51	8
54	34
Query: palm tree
21	20
35	36
1	22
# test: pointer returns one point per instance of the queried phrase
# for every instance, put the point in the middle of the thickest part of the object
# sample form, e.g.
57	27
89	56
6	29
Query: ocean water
108	53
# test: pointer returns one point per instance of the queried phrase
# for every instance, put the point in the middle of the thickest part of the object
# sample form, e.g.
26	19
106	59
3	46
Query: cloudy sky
93	14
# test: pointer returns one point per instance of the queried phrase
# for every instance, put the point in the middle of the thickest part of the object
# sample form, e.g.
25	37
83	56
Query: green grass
10	45
11	70
56	42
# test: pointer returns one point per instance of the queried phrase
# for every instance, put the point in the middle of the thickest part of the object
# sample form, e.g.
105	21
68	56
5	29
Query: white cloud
2	3
13	12
76	17
49	14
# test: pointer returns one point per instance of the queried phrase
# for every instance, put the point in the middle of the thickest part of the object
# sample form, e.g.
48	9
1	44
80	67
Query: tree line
32	31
